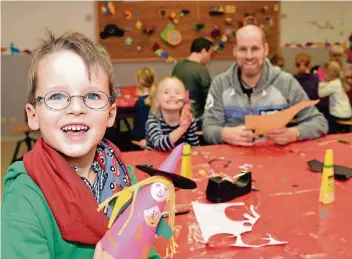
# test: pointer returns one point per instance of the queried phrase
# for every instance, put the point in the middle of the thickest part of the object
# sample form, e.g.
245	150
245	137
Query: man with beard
253	86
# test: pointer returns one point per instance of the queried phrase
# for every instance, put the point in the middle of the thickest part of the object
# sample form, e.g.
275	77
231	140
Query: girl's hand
186	116
99	253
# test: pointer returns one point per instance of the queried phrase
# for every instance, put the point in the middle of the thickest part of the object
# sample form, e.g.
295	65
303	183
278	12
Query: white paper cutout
213	220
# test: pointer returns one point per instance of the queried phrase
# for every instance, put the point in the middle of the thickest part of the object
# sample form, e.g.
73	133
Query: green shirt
28	227
197	80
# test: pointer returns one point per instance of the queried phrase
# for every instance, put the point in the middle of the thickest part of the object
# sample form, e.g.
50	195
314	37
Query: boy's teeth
75	128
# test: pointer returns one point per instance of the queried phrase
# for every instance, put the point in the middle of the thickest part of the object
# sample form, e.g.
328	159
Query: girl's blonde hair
148	76
155	107
131	192
333	68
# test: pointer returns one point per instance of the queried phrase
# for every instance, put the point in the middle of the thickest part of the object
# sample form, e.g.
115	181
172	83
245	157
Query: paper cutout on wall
310	44
228	21
206	213
108	8
262	124
171	35
138	25
162	53
128	41
128	15
3	50
250	20
111	30
216	11
14	50
326	26
215	32
149	30
230	9
199	26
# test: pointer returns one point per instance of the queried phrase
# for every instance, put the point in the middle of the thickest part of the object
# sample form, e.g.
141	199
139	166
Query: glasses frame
42	98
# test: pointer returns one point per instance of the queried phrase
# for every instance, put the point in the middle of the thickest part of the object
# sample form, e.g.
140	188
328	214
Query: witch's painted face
159	191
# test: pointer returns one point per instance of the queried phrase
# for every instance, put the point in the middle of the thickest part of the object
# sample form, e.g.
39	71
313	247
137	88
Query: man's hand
284	136
99	253
239	136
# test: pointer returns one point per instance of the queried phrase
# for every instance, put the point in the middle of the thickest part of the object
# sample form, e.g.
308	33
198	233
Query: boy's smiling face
65	71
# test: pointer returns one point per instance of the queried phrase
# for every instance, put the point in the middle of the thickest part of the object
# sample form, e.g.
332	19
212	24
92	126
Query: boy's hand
99	253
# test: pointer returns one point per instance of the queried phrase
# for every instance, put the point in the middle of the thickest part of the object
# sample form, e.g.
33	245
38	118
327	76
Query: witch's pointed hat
168	170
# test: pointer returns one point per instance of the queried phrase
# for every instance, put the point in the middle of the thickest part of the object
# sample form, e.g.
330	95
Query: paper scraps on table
262	124
206	213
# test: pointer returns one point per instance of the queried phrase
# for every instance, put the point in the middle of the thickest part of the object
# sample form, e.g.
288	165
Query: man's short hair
201	43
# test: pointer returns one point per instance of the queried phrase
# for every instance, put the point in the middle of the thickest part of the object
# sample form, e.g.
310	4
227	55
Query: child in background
49	207
278	61
146	86
339	104
310	81
165	128
347	79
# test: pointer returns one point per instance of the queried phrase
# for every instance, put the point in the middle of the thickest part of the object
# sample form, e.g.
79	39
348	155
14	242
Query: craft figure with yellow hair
139	208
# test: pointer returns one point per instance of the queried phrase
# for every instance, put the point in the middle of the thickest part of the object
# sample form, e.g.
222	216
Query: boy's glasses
60	100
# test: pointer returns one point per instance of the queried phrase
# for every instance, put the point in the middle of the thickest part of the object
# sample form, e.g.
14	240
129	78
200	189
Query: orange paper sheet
265	123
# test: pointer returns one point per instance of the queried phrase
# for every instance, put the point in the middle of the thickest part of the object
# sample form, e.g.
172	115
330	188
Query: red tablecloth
287	201
128	97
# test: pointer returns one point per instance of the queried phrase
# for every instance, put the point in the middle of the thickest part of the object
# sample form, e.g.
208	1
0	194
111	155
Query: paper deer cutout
265	123
206	213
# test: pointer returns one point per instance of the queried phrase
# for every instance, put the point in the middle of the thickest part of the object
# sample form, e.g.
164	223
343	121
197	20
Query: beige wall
23	23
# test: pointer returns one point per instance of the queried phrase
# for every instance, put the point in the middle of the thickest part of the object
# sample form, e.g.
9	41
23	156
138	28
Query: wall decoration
3	50
216	32
155	39
276	7
215	11
14	50
171	35
128	41
108	8
326	26
198	26
228	21
138	25
111	30
148	30
128	15
309	44
249	19
230	9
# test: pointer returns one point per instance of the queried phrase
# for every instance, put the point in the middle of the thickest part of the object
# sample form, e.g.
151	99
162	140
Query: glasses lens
96	100
57	100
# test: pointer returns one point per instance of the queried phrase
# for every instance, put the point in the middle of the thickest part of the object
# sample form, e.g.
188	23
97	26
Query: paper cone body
171	162
136	239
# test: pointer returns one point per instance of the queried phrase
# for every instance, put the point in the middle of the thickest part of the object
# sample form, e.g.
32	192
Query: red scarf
71	202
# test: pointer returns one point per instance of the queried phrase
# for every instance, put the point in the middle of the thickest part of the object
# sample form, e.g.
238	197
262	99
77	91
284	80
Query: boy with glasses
50	202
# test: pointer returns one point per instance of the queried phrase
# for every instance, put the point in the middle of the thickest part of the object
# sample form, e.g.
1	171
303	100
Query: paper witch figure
132	234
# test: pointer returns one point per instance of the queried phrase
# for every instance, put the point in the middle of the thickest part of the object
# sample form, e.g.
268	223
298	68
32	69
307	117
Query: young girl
170	122
339	104
146	85
50	202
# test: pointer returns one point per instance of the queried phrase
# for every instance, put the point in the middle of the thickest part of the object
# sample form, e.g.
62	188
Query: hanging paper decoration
139	48
128	41
162	13
276	8
310	44
108	8
216	11
171	35
128	15
149	30
111	30
228	21
27	51
230	9
198	26
265	9
269	21
13	49
250	19
3	50
174	18
162	53
138	25
215	32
